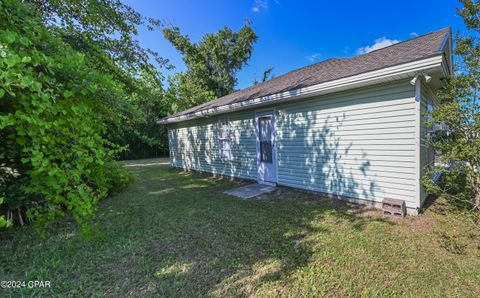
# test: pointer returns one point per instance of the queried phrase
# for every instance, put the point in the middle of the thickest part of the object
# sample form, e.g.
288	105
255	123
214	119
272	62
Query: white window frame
224	139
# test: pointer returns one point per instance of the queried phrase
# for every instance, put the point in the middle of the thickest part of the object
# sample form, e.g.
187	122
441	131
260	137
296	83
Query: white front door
266	147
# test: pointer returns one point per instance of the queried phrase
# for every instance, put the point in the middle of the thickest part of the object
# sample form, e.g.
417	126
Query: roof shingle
418	48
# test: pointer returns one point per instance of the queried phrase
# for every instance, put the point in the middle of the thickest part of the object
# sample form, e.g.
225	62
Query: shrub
52	125
118	177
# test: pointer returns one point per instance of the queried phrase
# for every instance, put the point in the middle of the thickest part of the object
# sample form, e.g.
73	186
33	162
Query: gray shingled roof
418	48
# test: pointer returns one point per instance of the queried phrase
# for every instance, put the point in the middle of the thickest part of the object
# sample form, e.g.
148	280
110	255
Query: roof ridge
407	40
283	74
335	68
341	58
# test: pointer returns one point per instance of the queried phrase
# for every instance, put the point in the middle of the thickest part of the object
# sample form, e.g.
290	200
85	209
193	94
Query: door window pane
266	151
265	131
265	128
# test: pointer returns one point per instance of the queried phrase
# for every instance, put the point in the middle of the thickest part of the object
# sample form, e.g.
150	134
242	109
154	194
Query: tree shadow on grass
162	239
220	245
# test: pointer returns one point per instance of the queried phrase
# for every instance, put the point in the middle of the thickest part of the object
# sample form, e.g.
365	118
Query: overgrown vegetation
173	234
56	157
105	32
458	143
78	91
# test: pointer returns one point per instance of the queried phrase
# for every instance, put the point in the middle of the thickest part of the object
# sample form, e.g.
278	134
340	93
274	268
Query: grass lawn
176	234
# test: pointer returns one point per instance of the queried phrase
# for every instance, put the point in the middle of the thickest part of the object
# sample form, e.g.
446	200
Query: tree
77	89
266	76
212	64
185	93
56	105
104	29
105	32
459	113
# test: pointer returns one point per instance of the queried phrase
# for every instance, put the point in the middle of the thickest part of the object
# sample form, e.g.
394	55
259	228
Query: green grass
176	234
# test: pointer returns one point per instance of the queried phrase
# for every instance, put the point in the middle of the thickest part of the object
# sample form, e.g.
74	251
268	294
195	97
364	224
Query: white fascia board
363	79
446	48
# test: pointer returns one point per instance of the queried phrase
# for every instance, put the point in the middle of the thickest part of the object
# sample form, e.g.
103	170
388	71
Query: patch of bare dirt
320	199
422	223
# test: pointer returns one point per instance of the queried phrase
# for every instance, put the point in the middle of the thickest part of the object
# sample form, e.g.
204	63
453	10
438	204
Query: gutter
359	80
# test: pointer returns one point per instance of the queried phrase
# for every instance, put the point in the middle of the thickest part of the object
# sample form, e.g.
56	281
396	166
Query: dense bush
77	91
4	222
458	144
54	156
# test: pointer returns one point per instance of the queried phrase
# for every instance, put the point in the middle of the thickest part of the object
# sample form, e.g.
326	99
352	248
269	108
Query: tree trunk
477	193
20	219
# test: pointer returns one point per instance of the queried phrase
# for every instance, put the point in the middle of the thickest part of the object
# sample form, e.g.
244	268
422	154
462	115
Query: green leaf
12	60
2	92
44	96
26	81
6	121
5	223
24	41
68	94
36	86
9	36
26	59
92	87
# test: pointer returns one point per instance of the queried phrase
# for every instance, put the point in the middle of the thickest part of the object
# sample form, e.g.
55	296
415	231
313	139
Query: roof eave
447	49
359	80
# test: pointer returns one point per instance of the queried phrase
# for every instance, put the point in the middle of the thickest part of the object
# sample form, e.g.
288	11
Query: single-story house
350	127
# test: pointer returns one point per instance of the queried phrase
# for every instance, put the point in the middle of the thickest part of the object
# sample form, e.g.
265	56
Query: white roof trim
444	42
363	79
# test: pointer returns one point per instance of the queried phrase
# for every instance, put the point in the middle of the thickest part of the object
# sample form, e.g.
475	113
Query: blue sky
293	34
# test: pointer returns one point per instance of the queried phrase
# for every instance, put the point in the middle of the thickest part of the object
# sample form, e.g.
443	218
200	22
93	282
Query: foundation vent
394	207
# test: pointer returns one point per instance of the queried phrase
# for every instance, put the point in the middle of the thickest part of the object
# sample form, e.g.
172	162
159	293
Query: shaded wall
195	145
358	143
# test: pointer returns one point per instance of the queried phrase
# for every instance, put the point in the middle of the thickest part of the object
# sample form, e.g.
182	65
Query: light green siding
194	145
358	143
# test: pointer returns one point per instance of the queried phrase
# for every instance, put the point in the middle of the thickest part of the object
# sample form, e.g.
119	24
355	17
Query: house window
224	140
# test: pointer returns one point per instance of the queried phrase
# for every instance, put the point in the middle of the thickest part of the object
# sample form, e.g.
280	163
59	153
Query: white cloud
313	57
262	4
379	43
259	4
414	34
